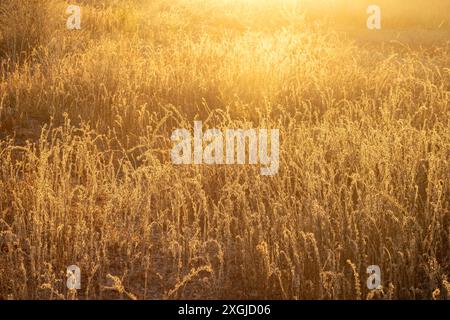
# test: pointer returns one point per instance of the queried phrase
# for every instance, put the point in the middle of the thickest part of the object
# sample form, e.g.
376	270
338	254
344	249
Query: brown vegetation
86	178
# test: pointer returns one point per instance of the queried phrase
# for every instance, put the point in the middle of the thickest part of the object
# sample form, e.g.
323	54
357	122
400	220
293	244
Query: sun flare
224	149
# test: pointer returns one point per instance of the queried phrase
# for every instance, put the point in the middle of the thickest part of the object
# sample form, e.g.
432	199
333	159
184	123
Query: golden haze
86	178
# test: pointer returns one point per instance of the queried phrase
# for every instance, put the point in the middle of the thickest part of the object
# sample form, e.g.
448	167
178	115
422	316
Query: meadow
86	178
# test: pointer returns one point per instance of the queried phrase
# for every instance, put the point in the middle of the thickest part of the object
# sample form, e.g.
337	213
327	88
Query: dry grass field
86	177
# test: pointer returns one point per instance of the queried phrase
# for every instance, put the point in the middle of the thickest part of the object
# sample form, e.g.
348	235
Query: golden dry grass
86	177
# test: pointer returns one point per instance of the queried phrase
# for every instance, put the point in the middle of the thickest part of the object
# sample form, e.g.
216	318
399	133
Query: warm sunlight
224	150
